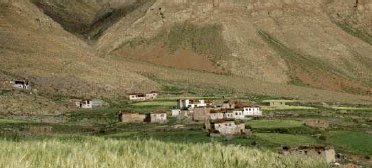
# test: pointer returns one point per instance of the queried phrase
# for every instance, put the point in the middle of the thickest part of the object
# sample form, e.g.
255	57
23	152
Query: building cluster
143	96
224	119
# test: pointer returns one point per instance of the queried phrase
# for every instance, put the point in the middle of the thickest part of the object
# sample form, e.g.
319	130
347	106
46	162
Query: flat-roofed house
227	128
131	117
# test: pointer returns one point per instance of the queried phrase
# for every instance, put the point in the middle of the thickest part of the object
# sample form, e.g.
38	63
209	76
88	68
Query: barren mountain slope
36	48
298	41
88	18
261	46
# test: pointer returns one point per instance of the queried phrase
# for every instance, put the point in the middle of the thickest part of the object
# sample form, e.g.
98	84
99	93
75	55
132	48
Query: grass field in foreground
274	123
98	152
286	139
356	142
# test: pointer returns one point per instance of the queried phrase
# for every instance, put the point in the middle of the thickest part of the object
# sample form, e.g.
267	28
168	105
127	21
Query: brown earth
314	50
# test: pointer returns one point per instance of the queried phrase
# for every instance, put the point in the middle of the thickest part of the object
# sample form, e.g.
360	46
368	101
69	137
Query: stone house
129	117
226	128
158	117
201	114
21	84
325	153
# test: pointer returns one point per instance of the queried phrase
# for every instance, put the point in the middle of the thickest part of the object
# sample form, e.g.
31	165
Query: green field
357	142
286	139
99	152
272	108
157	103
274	123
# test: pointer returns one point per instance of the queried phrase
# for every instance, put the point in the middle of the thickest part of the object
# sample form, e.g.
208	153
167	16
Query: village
228	119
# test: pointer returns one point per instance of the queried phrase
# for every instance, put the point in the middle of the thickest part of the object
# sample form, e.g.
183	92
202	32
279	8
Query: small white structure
158	117
89	103
21	84
176	112
137	97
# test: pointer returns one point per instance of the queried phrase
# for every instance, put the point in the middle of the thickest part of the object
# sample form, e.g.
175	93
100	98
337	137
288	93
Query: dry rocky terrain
312	50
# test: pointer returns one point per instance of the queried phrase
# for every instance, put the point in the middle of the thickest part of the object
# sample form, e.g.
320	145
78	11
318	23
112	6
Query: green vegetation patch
270	108
358	33
275	123
286	139
99	152
157	103
356	142
206	40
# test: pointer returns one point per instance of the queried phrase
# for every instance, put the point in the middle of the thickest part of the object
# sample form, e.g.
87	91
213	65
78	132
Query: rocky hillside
102	47
323	44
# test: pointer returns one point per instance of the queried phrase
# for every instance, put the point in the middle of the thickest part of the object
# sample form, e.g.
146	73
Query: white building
253	111
187	103
159	117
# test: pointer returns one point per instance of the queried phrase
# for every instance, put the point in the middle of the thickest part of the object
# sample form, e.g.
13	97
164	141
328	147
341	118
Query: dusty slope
241	38
36	48
298	41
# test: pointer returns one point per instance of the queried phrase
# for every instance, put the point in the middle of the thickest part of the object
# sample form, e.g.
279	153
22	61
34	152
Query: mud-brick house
151	95
21	84
157	117
325	153
226	128
201	114
137	97
131	117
